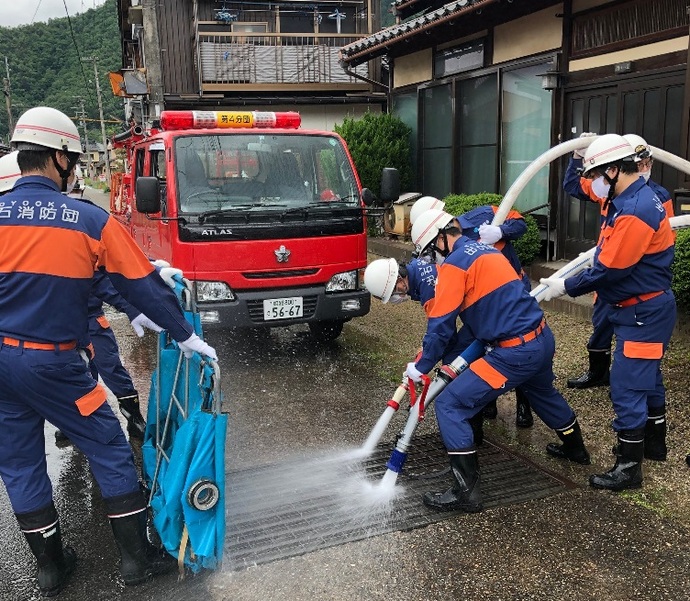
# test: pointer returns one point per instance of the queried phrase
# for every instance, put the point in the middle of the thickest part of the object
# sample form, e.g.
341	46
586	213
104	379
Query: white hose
541	161
670	159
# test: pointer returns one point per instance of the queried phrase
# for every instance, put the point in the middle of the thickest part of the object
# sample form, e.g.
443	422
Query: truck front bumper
247	310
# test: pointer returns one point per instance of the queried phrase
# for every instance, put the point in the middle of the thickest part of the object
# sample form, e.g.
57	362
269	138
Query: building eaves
377	44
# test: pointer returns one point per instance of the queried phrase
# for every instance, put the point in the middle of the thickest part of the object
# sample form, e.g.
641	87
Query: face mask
646	175
396	299
70	185
600	187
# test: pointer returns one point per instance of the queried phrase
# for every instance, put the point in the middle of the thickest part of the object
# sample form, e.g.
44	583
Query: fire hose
448	373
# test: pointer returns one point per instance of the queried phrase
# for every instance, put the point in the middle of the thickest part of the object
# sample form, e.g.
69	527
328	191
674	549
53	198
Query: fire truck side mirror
367	197
148	195
390	185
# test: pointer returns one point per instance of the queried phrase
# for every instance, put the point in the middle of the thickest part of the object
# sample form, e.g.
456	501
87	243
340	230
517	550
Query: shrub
527	247
681	269
376	141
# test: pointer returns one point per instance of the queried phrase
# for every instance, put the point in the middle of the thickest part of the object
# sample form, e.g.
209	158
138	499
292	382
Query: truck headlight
209	292
347	280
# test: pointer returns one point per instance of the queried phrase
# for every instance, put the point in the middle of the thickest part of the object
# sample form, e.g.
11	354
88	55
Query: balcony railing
266	59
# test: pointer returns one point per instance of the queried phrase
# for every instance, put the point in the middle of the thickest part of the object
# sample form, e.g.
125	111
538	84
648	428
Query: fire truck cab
267	220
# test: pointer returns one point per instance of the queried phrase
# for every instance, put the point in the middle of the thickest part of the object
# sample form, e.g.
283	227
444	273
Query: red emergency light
176	120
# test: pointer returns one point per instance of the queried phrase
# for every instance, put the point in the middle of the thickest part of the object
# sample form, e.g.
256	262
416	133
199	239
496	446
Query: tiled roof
349	52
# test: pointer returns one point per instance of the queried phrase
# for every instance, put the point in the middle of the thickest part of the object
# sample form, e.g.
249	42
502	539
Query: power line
76	46
36	11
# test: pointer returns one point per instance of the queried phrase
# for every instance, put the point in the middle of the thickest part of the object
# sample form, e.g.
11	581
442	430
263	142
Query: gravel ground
390	337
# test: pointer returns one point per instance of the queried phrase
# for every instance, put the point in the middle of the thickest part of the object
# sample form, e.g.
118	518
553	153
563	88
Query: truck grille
256	309
260	275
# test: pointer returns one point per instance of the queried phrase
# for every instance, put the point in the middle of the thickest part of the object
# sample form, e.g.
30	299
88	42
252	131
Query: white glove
489	234
556	287
195	344
167	274
160	263
413	373
580	154
141	321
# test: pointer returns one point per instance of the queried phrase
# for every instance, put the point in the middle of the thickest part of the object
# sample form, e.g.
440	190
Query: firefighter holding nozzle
631	272
478	284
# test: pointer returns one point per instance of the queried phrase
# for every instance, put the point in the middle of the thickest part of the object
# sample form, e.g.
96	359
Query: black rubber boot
141	561
654	437
129	407
598	372
465	494
55	562
627	472
490	411
477	425
523	413
573	447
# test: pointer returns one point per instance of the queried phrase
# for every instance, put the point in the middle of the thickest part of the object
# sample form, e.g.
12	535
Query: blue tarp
184	445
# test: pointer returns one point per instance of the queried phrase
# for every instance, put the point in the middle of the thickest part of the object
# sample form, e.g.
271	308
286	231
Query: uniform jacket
635	249
512	228
477	284
50	247
421	277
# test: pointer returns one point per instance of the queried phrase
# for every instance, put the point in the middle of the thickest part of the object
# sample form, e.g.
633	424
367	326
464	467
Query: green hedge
681	269
527	247
376	141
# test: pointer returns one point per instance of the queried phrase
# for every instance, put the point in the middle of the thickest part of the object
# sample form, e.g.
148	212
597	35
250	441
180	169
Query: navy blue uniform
50	247
477	284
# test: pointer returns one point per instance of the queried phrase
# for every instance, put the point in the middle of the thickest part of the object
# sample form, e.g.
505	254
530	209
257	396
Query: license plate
282	308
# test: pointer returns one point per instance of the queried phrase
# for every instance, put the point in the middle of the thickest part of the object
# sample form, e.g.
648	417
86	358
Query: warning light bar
176	120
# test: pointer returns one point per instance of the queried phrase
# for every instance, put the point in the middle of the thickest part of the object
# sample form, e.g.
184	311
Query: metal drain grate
283	510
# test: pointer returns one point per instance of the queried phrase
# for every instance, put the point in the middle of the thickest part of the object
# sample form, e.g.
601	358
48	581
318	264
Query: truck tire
326	331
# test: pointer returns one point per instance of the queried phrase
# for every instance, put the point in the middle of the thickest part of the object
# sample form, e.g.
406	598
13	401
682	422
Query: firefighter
101	346
476	224
51	246
391	283
631	272
478	284
599	344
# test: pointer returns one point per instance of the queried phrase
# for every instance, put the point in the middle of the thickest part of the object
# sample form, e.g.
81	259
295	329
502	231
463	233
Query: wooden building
488	85
221	54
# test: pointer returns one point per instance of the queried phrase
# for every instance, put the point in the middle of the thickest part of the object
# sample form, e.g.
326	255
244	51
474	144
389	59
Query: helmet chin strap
64	173
612	187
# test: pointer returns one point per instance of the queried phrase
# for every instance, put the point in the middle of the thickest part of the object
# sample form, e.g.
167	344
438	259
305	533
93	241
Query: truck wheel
326	331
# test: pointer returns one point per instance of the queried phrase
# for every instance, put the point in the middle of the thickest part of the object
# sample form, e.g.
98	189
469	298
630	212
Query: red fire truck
265	218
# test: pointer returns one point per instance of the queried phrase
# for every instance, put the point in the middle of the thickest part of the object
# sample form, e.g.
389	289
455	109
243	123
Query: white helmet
9	171
426	228
380	278
606	149
640	146
424	204
44	127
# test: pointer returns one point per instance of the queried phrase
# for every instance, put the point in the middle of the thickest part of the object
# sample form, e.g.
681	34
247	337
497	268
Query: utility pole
8	98
82	121
100	111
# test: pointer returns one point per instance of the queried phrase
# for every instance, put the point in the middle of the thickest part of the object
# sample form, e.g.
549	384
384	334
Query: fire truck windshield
258	172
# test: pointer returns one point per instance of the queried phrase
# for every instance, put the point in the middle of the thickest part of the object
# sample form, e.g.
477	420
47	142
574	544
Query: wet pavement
289	401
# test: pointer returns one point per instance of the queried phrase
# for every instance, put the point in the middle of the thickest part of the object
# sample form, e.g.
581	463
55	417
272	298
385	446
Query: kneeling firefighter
476	283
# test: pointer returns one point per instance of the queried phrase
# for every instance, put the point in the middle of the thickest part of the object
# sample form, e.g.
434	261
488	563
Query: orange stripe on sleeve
119	253
450	290
479	285
489	374
629	240
103	322
643	350
428	305
47	250
92	400
668	207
